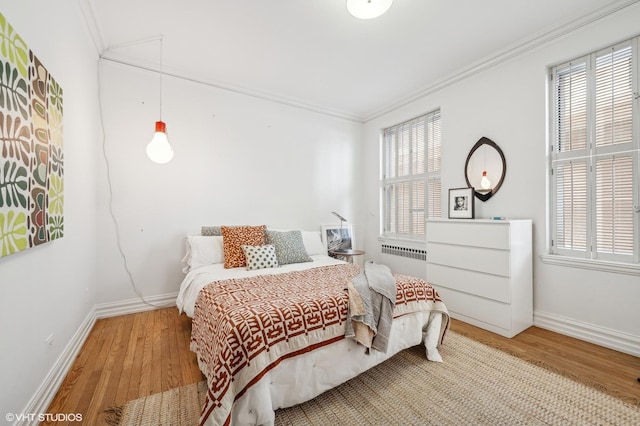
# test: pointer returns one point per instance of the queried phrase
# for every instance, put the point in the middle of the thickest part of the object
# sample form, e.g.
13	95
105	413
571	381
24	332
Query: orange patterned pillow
234	237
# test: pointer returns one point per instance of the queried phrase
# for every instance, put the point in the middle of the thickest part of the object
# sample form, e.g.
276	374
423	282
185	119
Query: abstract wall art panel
31	149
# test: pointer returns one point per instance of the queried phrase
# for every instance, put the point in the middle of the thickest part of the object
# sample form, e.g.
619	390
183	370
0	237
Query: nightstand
346	254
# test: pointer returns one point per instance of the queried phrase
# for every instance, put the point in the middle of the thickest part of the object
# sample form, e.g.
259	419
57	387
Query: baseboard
621	342
132	306
49	387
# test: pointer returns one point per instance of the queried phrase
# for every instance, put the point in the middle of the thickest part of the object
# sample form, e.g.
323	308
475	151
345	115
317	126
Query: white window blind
411	178
594	156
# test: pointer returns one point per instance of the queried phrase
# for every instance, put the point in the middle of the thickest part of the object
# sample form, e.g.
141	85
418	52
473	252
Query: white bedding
196	279
301	378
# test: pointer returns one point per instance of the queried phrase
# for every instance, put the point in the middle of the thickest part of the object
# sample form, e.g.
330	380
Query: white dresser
482	269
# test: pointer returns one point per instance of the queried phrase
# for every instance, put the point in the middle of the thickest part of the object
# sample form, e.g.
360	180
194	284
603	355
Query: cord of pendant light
159	150
161	71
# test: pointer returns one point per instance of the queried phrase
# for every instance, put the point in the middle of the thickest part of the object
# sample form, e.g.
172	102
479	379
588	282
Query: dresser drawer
477	308
494	235
471	282
490	261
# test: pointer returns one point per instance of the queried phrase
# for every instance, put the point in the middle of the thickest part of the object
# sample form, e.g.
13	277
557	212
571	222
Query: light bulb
368	9
485	183
159	150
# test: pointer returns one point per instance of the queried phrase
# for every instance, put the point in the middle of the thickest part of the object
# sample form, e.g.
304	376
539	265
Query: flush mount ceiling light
368	9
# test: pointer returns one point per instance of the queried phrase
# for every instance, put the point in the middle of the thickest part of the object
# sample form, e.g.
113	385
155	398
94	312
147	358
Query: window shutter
433	143
417	208
434	187
570	168
571	205
403	206
595	177
389	208
613	161
418	148
571	106
434	190
614	205
411	173
614	97
392	158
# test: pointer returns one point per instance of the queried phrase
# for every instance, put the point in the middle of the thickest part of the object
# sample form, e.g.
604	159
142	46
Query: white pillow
313	243
202	251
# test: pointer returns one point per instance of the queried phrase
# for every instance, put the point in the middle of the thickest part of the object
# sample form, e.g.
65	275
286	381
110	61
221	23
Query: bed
274	336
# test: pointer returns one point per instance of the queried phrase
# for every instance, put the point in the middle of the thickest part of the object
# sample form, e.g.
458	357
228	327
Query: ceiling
313	54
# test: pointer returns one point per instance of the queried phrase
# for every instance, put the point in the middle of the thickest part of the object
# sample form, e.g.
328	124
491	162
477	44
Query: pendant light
368	9
159	150
485	183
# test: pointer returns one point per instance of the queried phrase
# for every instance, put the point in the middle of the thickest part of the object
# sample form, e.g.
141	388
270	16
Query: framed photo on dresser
461	205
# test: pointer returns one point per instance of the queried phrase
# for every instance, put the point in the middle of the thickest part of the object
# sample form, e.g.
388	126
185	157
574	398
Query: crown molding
522	46
106	53
534	42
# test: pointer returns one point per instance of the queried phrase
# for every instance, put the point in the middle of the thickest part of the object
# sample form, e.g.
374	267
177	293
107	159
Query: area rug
476	385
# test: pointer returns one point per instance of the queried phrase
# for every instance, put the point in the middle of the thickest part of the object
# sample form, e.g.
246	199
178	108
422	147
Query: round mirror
485	168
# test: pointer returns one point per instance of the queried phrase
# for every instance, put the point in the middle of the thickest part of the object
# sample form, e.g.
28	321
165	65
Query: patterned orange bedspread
242	328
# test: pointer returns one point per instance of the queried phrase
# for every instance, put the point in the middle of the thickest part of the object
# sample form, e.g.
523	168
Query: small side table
346	254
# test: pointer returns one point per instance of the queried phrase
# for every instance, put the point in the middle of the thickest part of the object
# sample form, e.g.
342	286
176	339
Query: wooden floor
136	355
125	358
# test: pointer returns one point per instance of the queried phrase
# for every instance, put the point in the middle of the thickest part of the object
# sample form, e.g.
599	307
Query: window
411	179
594	156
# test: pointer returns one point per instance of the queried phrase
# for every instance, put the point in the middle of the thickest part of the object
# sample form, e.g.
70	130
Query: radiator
411	253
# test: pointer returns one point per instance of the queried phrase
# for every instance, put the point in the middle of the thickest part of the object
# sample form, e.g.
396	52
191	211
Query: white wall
51	288
238	160
243	160
507	103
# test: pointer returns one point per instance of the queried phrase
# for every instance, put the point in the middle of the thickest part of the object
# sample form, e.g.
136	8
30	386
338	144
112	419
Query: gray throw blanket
372	299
